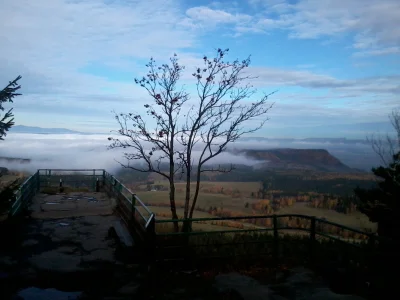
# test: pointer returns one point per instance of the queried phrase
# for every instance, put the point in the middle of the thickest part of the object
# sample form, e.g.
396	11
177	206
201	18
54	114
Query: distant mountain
300	159
309	140
15	160
40	130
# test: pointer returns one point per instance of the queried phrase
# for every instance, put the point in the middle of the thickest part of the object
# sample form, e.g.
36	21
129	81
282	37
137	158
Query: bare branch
388	147
220	116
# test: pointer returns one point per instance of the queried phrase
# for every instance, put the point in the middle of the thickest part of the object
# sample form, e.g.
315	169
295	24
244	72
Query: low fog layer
74	151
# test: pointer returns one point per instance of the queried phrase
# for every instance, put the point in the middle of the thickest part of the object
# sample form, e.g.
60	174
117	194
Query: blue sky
335	63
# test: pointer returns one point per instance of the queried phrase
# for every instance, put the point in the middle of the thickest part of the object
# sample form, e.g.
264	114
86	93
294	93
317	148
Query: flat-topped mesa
287	158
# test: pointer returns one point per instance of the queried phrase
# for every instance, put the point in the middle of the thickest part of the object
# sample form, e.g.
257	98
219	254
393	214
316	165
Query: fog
74	151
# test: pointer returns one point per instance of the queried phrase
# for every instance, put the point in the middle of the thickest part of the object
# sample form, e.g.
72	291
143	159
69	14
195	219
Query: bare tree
153	145
6	95
217	118
388	149
387	146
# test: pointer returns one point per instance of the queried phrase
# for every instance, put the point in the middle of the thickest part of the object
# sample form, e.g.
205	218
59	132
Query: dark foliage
381	204
6	95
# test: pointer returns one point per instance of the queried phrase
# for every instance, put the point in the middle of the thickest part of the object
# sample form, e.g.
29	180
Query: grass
156	199
355	220
244	187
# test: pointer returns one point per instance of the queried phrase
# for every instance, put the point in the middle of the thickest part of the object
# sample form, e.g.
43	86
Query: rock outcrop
300	284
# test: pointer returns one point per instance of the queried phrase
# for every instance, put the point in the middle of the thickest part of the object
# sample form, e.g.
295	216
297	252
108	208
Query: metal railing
232	237
74	178
24	194
130	206
161	234
312	242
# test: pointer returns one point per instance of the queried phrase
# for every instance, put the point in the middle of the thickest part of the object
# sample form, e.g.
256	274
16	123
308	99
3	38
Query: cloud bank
69	151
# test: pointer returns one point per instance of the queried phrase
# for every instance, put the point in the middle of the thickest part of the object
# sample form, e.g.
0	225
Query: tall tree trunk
172	203
187	193
172	185
185	226
196	193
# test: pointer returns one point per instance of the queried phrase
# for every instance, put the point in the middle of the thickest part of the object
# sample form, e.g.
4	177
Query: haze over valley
77	150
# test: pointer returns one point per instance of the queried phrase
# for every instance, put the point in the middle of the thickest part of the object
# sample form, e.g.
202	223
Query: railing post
371	247
38	181
48	178
133	206
114	184
97	185
276	239
312	239
151	241
94	180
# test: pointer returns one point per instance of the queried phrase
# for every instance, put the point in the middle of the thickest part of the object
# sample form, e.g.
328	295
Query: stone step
123	233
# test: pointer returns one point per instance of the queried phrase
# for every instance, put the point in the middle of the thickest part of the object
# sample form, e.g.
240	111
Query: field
158	202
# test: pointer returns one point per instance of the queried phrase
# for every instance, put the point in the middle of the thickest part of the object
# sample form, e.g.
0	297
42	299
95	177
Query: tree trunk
172	188
186	224
196	193
172	202
187	194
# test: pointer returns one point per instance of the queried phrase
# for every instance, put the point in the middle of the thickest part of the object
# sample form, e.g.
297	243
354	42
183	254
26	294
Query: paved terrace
66	240
72	229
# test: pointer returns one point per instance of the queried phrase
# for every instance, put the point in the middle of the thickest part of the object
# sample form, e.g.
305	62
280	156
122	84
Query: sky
335	63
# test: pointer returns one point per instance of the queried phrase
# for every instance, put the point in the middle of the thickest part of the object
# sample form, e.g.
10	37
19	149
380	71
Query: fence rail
24	194
130	206
320	240
253	236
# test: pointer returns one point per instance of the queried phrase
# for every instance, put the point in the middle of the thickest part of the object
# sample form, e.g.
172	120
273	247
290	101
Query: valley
280	181
248	191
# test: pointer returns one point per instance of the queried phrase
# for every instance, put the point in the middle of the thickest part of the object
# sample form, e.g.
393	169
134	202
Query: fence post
97	185
38	181
151	241
133	199
61	185
371	248
276	239
312	239
94	180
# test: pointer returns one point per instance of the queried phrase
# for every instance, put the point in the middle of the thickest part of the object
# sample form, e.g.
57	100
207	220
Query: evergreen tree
6	95
382	204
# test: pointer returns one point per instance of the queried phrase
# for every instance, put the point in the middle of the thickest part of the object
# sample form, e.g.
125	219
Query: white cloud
54	44
57	46
274	77
372	23
50	42
378	52
202	17
90	151
205	14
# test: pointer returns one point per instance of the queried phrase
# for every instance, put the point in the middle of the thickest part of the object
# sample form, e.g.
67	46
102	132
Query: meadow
238	202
